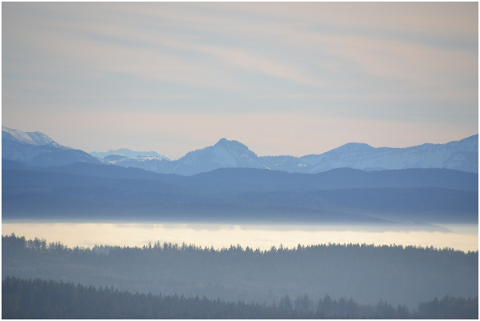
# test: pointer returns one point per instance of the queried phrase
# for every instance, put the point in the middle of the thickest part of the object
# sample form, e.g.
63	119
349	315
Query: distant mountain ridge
37	149
128	153
30	138
459	155
224	154
101	191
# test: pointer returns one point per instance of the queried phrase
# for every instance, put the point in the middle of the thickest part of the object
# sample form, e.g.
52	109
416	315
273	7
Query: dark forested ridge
34	299
367	273
248	179
108	192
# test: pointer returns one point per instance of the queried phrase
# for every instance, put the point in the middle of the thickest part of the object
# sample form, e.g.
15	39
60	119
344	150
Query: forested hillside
106	192
37	298
367	273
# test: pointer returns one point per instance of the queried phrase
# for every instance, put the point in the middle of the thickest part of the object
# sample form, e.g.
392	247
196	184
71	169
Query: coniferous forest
37	298
187	281
254	160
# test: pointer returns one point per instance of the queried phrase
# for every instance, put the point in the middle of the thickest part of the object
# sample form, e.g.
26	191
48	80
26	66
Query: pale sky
282	78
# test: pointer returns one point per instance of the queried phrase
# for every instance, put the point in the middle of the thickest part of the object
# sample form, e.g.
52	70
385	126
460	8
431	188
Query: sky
282	78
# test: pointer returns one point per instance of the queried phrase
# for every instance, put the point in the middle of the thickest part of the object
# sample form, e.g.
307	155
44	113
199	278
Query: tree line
41	299
400	275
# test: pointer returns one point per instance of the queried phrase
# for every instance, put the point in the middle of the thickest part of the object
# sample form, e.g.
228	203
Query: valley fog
462	237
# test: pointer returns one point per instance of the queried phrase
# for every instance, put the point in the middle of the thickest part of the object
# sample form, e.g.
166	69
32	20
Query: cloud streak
401	64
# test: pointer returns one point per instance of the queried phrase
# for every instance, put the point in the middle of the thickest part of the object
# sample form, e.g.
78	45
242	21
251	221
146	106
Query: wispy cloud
375	63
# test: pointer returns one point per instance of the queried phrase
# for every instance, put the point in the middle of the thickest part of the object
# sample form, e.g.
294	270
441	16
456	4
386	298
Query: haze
463	237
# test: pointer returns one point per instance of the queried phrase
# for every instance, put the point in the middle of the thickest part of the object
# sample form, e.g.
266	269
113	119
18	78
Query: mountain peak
42	139
354	147
31	138
39	150
230	143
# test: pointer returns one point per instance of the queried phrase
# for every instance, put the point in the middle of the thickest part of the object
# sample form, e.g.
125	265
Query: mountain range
37	149
84	191
127	153
227	182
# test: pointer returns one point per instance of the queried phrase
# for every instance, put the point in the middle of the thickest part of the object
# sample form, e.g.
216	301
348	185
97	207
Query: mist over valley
174	160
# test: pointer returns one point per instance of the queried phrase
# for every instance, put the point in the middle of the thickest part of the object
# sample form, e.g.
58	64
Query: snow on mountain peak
224	154
16	135
129	153
31	138
41	139
459	155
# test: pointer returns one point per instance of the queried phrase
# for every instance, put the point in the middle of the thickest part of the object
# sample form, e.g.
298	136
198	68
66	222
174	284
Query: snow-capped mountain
149	161
153	164
37	149
31	138
225	153
460	155
128	153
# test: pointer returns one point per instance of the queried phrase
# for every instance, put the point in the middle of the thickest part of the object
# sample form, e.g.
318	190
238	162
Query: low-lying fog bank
460	236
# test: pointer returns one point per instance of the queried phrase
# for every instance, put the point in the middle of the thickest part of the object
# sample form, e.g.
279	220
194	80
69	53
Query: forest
38	298
94	192
366	273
